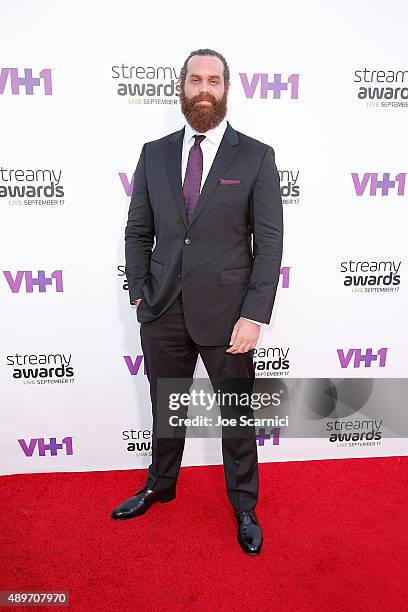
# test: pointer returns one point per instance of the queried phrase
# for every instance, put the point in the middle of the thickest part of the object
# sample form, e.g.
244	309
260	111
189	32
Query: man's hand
137	302
244	336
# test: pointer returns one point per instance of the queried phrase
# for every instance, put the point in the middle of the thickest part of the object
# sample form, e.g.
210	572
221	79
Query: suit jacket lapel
173	162
227	150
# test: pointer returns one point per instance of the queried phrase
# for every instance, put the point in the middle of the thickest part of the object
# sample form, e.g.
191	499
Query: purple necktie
192	178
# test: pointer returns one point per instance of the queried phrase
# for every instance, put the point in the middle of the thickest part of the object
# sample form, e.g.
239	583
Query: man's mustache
203	99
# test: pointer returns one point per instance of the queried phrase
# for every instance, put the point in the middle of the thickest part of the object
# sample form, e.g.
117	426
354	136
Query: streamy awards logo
371	276
385	88
354	432
138	441
271	361
32	187
290	186
41	368
146	85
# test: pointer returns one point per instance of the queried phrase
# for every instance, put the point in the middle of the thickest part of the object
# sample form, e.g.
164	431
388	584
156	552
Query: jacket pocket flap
156	268
235	275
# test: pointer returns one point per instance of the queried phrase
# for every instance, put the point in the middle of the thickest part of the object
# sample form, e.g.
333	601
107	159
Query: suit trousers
170	352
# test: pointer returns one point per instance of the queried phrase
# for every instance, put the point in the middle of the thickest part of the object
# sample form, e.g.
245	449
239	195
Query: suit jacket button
178	274
187	241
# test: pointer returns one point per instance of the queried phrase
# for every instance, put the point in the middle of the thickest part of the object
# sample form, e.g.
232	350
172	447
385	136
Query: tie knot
198	139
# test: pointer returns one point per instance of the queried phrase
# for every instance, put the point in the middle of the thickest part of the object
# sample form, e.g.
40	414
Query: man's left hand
244	336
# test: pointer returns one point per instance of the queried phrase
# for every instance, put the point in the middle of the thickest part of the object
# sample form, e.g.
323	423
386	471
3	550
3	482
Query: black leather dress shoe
142	501
249	531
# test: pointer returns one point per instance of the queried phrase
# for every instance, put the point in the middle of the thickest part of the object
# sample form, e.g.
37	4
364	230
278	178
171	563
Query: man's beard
203	117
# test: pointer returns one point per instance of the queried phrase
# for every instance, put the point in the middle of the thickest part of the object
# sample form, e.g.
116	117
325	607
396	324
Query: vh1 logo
359	358
379	186
285	276
262	82
262	435
126	184
41	281
51	447
134	365
25	84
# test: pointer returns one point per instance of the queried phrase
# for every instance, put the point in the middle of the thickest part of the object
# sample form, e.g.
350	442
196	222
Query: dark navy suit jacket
222	273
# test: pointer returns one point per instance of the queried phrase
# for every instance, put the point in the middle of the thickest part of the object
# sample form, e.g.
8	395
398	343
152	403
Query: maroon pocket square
229	181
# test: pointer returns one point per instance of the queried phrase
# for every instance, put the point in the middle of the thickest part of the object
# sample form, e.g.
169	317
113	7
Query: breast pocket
222	187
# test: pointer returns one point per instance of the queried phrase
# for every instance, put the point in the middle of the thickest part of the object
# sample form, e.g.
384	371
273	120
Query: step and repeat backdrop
82	88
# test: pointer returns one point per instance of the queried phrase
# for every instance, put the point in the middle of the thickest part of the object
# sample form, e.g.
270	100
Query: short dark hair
183	72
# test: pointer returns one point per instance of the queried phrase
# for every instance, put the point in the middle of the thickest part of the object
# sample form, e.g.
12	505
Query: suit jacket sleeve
139	232
267	229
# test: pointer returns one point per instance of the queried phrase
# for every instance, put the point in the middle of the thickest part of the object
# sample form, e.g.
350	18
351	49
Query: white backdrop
66	127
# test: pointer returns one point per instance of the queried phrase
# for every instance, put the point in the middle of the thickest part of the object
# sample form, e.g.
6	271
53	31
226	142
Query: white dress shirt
209	147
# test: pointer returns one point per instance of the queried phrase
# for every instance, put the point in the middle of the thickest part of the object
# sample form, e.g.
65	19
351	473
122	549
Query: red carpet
335	539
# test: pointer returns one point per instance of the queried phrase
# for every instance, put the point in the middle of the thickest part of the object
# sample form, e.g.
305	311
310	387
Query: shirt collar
214	135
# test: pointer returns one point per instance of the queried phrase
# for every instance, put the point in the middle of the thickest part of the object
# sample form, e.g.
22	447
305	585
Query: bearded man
203	246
